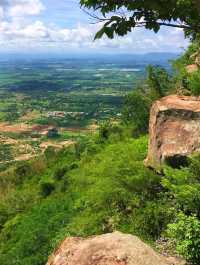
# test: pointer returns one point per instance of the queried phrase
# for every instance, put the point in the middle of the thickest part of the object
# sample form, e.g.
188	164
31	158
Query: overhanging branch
182	26
143	23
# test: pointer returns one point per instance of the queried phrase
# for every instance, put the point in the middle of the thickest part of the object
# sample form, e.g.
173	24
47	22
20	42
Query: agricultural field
53	102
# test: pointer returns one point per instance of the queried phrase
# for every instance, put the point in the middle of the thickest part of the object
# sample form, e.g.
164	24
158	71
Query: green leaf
99	34
109	32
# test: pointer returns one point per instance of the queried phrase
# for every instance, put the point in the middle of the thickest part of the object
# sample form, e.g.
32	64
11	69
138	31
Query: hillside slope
107	188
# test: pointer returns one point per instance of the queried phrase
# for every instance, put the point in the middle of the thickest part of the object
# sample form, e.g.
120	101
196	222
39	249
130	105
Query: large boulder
174	130
192	68
109	249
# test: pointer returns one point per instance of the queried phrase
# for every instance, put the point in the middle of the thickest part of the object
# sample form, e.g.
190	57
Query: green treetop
121	16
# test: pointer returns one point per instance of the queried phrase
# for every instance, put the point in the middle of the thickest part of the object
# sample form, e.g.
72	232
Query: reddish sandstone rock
174	130
108	249
192	68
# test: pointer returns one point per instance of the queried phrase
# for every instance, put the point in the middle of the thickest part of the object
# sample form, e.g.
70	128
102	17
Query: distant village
62	114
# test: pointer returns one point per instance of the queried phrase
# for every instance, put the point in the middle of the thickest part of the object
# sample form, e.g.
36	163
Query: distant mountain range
117	57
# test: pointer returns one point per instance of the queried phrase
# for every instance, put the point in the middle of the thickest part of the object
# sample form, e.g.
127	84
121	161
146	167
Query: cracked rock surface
174	131
108	249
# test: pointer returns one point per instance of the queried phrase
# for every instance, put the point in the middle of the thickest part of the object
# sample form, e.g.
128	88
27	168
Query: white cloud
19	8
17	31
1	13
82	37
35	31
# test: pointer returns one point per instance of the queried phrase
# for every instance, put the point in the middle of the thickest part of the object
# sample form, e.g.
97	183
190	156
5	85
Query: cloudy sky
61	26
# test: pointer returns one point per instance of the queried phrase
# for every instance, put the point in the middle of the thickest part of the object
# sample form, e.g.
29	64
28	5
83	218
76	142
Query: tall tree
121	16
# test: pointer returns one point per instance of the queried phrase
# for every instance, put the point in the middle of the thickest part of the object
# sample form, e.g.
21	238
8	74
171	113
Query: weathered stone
192	68
197	60
174	130
108	249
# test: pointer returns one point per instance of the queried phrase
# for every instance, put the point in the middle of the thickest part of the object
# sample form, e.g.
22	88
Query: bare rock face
192	68
108	249
174	131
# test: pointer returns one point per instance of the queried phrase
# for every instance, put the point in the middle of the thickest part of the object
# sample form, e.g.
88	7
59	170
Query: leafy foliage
46	187
186	82
159	81
183	184
101	184
108	189
138	103
103	187
186	234
151	14
136	111
97	186
194	83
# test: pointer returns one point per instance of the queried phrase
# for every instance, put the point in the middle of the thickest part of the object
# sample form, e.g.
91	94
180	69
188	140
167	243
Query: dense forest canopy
120	17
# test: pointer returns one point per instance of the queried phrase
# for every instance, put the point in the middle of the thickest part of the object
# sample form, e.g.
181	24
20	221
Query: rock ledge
174	130
109	249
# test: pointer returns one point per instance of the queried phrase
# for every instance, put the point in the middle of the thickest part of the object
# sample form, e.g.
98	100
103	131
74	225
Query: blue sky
65	13
60	26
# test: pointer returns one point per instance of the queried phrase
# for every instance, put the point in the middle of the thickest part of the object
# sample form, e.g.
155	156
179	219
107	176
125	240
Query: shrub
6	152
153	219
21	172
136	112
3	215
109	130
50	153
195	166
158	81
27	239
194	83
184	187
105	131
186	234
80	147
60	172
46	187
